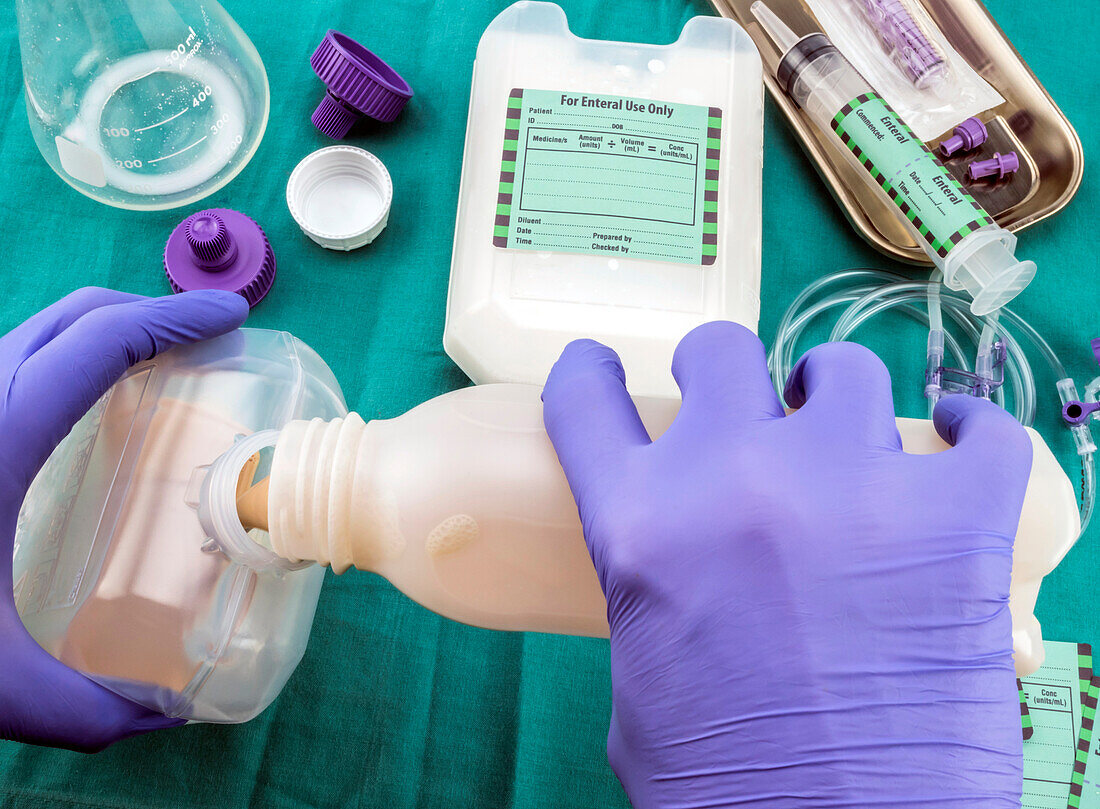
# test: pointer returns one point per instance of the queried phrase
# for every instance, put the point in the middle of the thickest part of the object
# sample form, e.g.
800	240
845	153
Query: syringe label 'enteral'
919	185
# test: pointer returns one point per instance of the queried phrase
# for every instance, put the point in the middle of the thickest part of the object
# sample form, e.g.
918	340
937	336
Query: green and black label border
508	168
941	248
710	186
1084	743
1026	725
510	152
1084	667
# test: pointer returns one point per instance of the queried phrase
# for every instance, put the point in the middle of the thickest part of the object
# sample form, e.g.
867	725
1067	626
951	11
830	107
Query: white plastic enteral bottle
461	503
609	190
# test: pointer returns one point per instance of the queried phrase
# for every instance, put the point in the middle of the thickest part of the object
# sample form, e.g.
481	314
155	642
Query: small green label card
609	175
1054	700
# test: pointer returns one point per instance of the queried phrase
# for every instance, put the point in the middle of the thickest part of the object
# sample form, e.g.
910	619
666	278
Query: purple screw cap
999	164
358	83
220	248
1096	348
970	134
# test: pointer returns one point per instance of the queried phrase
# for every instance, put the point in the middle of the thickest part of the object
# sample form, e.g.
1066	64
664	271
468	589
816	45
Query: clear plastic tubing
864	293
973	252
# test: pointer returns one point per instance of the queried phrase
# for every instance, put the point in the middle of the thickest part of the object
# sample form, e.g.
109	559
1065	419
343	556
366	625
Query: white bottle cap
340	197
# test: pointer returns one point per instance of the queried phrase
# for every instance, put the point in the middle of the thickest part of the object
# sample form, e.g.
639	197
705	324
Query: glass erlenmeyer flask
143	104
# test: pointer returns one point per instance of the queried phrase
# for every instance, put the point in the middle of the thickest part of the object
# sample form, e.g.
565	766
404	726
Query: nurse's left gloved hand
53	368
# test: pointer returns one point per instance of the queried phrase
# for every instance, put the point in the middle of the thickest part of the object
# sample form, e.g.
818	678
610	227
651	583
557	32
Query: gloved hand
802	615
53	368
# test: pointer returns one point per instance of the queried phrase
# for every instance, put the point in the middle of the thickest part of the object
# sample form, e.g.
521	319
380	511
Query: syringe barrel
819	79
973	252
827	86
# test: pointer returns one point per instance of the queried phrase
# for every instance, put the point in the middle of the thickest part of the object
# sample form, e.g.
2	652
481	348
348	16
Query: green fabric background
392	706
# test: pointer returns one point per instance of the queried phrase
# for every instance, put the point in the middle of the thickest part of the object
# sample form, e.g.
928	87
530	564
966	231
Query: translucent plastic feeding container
116	575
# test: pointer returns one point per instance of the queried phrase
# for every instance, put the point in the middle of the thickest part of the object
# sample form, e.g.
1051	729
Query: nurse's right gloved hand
802	615
53	368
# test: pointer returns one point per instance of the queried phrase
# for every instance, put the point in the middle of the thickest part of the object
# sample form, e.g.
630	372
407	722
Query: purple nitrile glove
53	368
802	614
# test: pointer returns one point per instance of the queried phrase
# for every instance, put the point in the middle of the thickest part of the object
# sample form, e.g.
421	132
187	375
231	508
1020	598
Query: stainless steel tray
1051	159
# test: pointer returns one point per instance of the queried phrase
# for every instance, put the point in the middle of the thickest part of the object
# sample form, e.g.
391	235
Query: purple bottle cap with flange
358	83
220	248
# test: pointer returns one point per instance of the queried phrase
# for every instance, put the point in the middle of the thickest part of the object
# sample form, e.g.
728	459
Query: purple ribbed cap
209	240
358	82
968	135
1096	348
220	248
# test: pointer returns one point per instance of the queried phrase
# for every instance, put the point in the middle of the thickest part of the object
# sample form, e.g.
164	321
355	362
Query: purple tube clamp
1076	412
220	248
999	164
970	134
358	84
1079	412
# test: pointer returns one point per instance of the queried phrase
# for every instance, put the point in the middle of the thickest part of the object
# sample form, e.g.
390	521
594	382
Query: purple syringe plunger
968	135
906	40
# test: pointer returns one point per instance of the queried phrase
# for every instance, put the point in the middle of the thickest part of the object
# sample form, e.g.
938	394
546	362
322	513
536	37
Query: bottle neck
323	501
